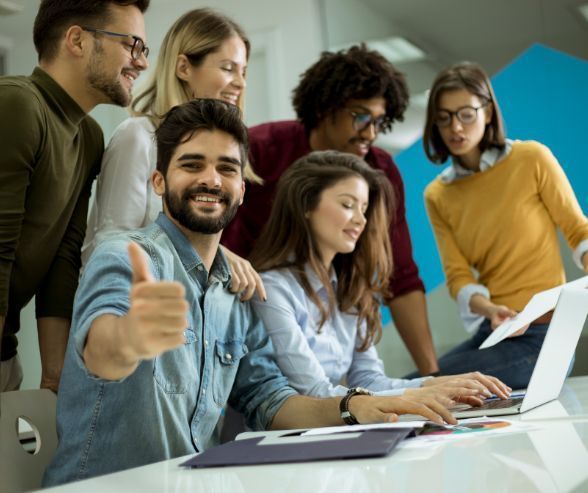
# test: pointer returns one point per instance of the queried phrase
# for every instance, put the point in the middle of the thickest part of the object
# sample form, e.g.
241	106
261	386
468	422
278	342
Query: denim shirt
317	360
169	406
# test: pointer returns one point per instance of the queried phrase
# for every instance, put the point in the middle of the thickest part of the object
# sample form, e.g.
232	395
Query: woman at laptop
325	260
494	211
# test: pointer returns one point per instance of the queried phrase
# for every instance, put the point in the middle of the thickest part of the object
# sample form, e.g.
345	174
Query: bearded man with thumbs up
159	344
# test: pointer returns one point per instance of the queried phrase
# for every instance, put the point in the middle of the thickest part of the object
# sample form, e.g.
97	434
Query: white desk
551	458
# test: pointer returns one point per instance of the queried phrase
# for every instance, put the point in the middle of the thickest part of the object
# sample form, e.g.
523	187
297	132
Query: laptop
552	364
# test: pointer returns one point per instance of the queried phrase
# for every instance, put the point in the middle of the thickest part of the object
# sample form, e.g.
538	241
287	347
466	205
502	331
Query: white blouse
124	195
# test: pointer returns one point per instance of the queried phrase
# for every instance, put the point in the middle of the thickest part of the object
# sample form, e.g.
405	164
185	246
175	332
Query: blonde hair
195	34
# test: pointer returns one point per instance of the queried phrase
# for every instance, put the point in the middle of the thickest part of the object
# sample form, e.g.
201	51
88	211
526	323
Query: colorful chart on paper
476	427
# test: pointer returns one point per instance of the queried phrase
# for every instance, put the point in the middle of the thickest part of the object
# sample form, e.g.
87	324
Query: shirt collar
188	255
57	96
488	159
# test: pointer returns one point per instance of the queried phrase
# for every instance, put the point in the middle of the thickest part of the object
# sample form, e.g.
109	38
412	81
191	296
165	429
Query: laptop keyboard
501	404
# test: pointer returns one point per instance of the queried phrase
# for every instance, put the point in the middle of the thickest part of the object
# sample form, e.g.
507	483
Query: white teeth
202	198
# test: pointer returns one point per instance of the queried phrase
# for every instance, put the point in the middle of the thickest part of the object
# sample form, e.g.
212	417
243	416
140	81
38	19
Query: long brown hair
287	240
471	77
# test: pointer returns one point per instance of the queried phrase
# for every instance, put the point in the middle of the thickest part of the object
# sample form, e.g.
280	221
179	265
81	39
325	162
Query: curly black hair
356	73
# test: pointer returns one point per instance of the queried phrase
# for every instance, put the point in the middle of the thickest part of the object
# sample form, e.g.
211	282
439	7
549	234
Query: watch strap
346	415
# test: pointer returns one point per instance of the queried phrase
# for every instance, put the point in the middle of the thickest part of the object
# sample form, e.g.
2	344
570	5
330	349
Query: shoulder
279	277
380	159
533	157
433	189
19	96
132	149
110	258
272	131
530	148
113	250
138	129
274	146
282	281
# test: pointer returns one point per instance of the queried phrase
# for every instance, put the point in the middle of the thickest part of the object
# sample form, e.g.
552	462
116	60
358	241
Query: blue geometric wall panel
543	95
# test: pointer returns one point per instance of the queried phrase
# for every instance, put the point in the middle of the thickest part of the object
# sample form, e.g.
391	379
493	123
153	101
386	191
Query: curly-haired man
342	102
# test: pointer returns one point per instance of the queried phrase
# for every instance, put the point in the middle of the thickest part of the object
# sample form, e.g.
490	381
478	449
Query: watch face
359	390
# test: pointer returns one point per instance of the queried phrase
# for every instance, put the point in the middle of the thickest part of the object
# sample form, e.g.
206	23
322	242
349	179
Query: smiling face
203	187
339	218
463	139
221	75
111	70
338	133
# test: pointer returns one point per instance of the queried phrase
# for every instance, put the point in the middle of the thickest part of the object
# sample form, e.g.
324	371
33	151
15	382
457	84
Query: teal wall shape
543	95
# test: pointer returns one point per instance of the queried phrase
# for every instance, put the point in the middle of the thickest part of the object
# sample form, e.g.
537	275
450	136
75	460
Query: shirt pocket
175	371
227	356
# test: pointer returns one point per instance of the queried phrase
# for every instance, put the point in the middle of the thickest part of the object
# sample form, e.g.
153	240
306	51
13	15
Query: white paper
539	305
354	428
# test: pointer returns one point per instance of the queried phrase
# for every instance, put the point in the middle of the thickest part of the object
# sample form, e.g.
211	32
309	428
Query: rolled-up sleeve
104	289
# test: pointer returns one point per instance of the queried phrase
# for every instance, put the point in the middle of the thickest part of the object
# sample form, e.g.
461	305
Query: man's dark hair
56	16
180	123
356	73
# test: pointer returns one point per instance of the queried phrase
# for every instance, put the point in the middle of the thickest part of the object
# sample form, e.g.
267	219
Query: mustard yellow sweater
502	223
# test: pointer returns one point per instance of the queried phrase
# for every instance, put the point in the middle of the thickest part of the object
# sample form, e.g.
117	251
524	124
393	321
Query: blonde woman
203	55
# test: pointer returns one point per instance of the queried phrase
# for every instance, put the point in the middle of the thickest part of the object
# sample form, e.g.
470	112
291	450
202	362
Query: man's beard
180	208
99	81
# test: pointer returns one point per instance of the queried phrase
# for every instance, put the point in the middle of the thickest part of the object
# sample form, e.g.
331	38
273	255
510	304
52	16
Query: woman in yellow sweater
495	210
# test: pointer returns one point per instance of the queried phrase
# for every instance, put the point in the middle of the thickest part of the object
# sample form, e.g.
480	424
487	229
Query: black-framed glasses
466	115
361	121
137	49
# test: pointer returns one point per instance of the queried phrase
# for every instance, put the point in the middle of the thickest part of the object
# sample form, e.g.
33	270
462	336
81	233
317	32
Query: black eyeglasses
466	115
137	49
361	121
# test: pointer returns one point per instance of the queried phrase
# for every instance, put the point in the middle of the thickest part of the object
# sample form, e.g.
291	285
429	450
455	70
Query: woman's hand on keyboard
471	388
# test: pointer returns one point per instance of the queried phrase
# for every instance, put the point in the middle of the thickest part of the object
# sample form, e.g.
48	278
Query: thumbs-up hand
158	311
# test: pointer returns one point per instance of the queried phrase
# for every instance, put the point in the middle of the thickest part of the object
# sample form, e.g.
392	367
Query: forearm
481	305
53	333
307	412
106	354
409	312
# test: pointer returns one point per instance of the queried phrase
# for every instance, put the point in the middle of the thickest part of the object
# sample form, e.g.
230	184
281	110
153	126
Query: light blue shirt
318	362
169	406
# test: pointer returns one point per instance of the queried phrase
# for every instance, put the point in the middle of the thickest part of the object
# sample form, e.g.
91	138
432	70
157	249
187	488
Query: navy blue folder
372	443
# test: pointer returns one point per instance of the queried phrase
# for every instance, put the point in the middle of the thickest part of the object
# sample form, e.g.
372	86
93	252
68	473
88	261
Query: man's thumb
139	264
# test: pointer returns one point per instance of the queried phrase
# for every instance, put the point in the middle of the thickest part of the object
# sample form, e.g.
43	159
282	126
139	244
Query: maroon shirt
273	148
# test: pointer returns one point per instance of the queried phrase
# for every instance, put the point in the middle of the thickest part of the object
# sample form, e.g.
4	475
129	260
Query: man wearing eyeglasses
90	53
342	102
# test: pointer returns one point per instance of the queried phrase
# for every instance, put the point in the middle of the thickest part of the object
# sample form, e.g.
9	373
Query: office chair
20	469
